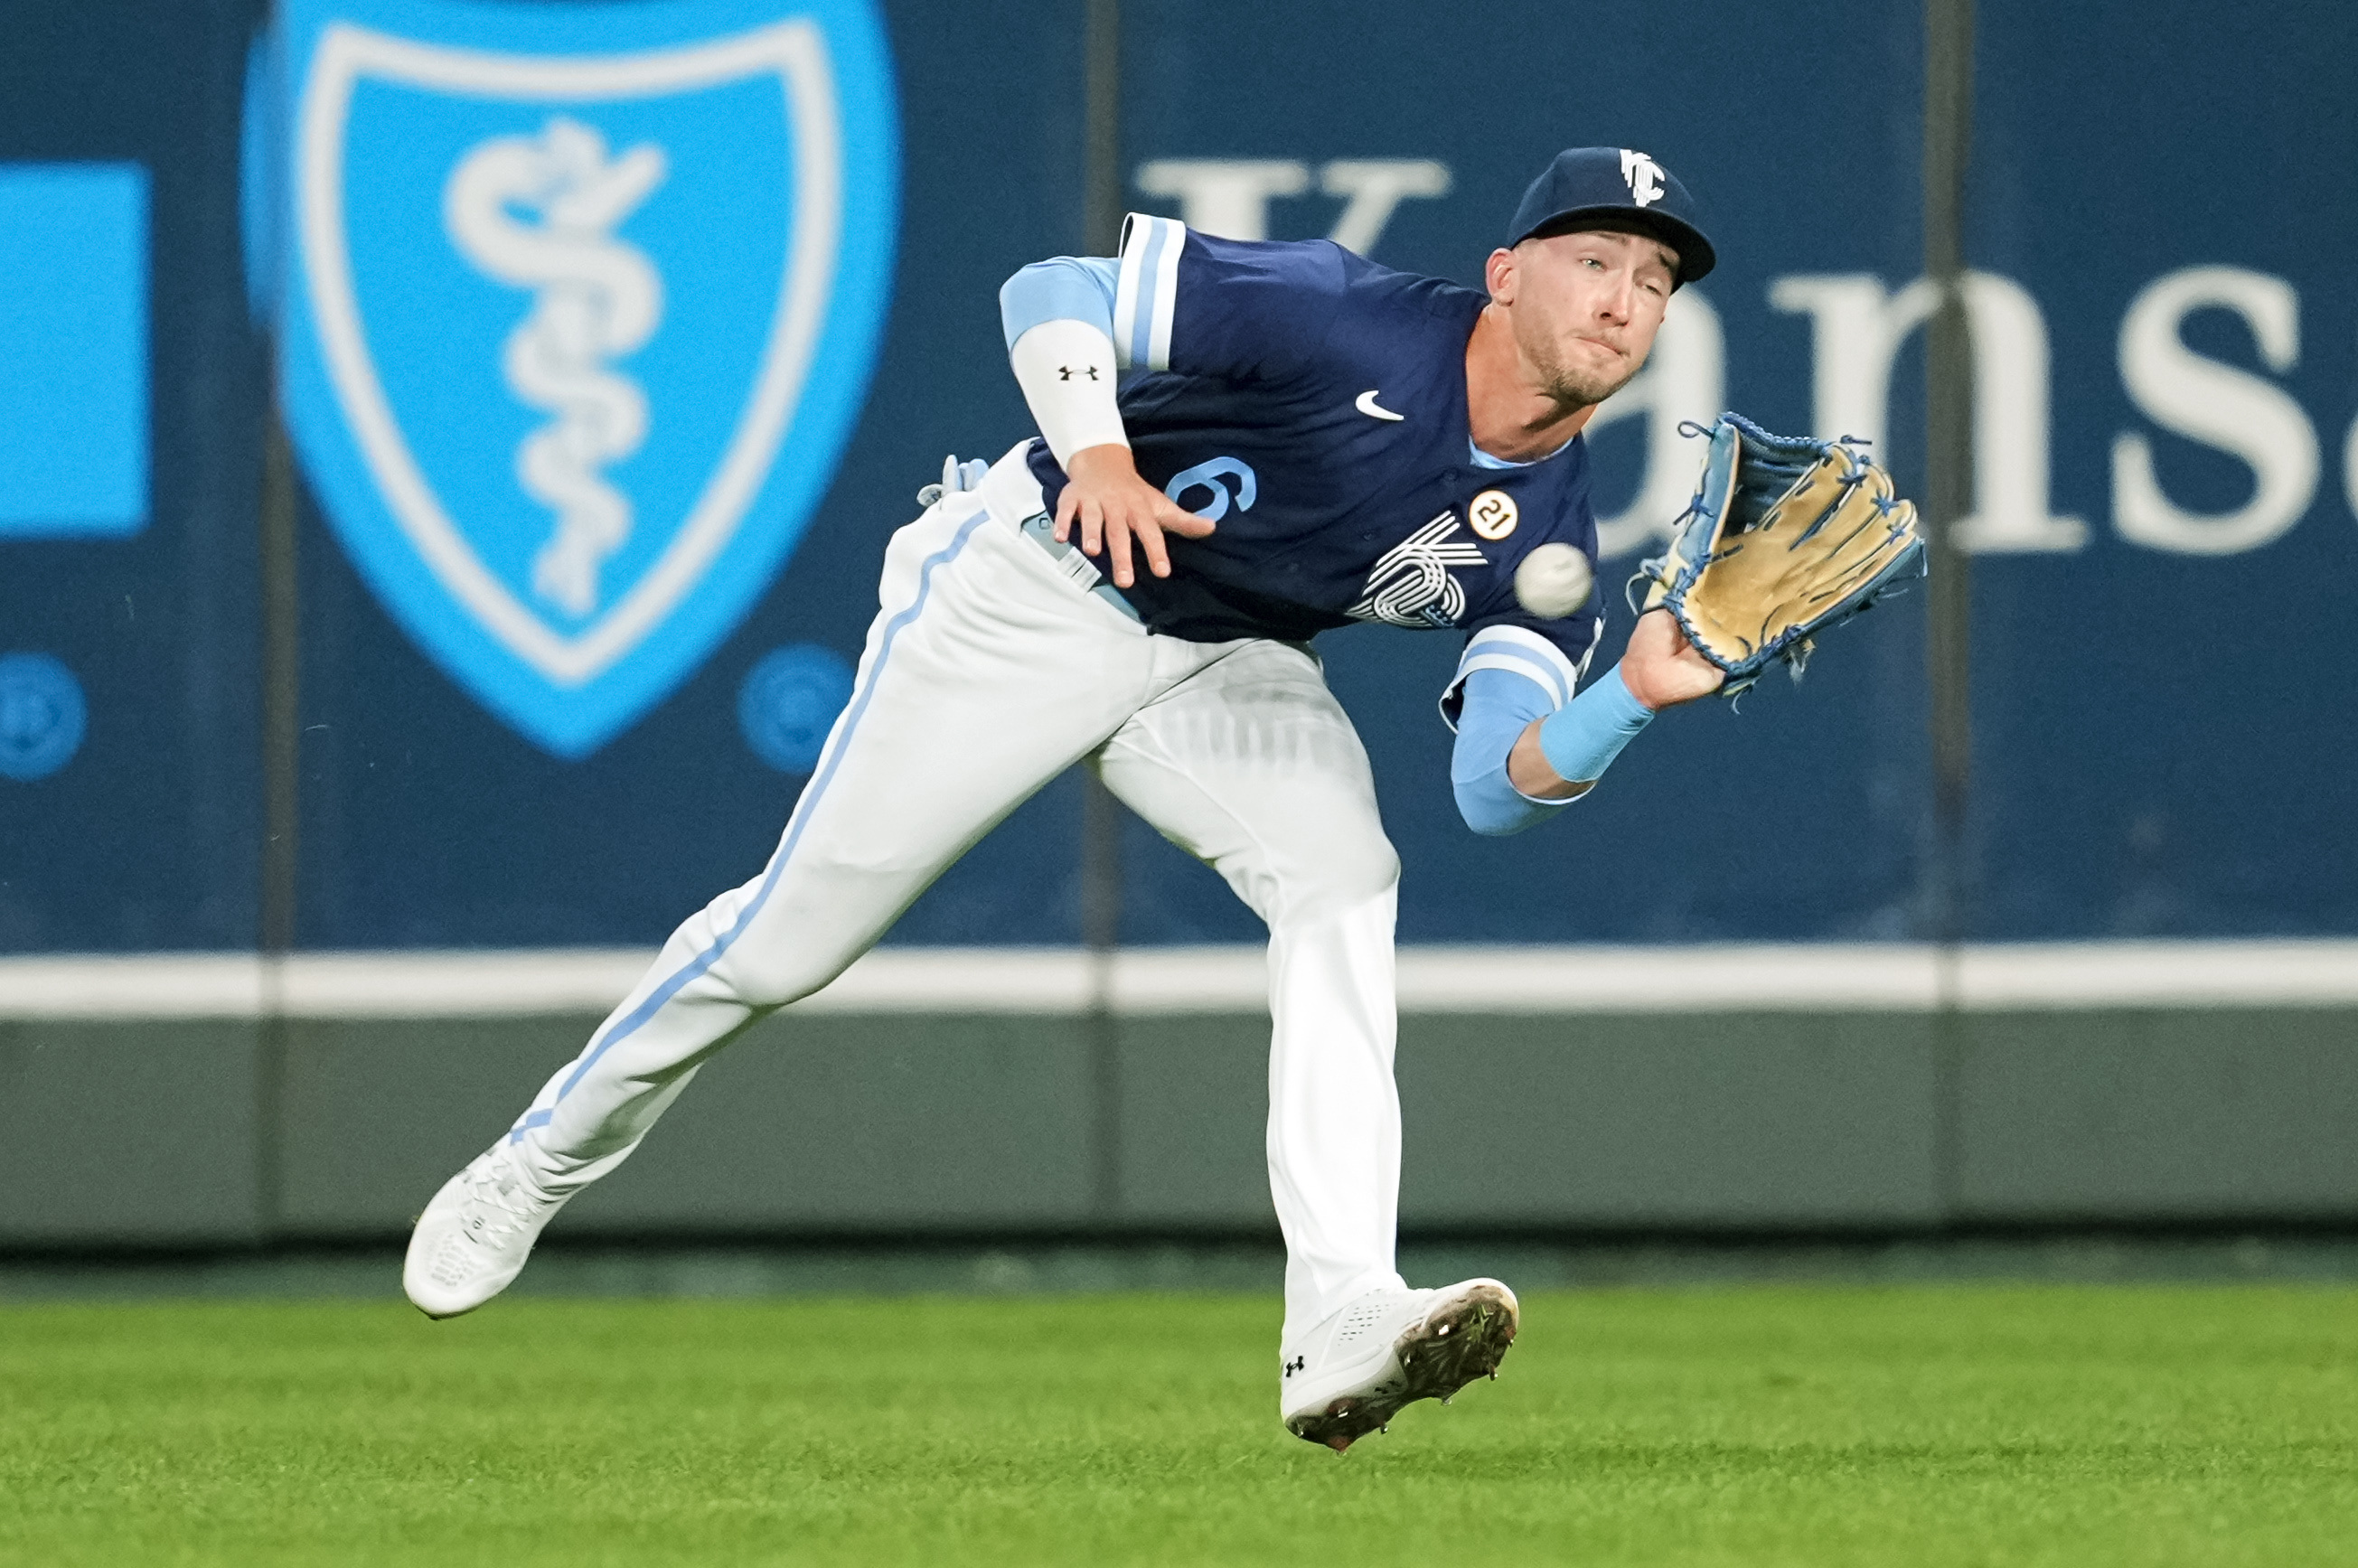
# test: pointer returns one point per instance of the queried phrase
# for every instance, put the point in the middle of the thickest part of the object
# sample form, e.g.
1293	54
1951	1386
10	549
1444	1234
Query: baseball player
1303	440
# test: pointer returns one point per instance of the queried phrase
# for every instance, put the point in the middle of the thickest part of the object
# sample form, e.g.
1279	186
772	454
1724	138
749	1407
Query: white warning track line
1148	981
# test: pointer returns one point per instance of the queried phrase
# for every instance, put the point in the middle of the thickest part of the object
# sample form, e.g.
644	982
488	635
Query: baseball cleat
1389	1348
473	1239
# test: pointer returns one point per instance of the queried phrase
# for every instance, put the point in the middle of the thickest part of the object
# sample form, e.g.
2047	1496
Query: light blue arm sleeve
1581	742
1062	288
1499	705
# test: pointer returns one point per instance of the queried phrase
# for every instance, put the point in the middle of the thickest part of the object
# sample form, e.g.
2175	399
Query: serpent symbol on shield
577	306
597	301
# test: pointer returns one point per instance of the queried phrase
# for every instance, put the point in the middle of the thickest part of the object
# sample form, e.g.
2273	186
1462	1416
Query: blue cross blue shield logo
577	306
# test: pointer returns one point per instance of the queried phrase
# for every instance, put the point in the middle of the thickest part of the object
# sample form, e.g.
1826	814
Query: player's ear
1498	272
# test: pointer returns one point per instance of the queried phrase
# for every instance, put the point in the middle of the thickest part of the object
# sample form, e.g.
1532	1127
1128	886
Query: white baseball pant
987	672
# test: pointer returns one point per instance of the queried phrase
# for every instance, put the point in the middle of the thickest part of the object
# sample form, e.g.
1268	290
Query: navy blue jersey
1313	405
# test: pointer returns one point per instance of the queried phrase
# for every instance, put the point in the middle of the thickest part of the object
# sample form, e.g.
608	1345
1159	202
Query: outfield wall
205	1103
239	713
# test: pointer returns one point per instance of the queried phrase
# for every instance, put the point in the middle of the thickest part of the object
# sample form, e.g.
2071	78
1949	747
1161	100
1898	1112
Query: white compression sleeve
1067	371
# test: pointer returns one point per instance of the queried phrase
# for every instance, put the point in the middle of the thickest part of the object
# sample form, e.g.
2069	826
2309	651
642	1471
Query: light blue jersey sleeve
1499	706
1062	288
1174	301
1509	678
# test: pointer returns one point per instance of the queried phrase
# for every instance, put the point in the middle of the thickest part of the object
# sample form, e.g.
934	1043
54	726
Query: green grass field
1821	1426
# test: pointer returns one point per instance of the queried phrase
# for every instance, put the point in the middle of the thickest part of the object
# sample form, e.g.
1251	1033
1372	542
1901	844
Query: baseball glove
1786	537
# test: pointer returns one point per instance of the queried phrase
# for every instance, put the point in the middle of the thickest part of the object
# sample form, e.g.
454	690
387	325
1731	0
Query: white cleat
473	1239
1350	1375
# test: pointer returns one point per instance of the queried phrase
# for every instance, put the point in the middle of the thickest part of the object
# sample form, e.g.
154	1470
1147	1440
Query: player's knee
1345	876
767	980
1372	868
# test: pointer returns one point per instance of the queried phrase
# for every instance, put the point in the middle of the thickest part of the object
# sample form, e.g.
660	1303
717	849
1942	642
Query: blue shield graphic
577	306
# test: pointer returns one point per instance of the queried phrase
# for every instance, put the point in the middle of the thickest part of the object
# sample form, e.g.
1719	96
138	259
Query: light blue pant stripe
703	961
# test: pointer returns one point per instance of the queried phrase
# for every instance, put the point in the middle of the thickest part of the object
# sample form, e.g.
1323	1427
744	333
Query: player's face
1585	307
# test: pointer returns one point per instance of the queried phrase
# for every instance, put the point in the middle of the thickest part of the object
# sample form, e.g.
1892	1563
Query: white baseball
1553	581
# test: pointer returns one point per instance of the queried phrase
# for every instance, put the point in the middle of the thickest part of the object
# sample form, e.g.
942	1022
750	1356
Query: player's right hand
1113	506
1661	668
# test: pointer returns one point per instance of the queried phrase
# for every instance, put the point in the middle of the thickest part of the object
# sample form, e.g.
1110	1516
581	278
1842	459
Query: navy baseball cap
1619	190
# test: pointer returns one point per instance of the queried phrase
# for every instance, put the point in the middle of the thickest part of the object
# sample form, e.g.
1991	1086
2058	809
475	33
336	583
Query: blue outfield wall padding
73	348
2143	770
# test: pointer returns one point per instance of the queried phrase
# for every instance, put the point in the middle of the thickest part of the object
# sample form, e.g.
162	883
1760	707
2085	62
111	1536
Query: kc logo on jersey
577	304
1412	584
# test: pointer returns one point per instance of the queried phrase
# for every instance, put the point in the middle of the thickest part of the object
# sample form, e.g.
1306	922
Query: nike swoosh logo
1366	405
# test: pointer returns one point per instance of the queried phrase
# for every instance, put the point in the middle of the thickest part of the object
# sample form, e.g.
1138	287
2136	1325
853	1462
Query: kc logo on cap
1643	176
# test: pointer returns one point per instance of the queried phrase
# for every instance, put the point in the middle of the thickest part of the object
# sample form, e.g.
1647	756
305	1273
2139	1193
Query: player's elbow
1492	807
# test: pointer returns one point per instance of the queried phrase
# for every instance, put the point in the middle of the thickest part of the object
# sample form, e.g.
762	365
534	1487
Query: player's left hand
1661	668
1113	506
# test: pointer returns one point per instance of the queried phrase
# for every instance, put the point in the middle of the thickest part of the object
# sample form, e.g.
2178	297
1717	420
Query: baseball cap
1616	189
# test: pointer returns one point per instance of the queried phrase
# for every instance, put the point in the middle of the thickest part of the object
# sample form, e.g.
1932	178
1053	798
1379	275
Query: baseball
1553	581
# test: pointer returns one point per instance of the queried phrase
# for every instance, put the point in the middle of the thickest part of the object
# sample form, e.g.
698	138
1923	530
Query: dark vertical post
281	736
1100	813
1948	496
1102	202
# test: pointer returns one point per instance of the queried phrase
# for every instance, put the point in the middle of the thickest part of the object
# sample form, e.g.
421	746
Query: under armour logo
1066	373
1643	176
1298	1364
